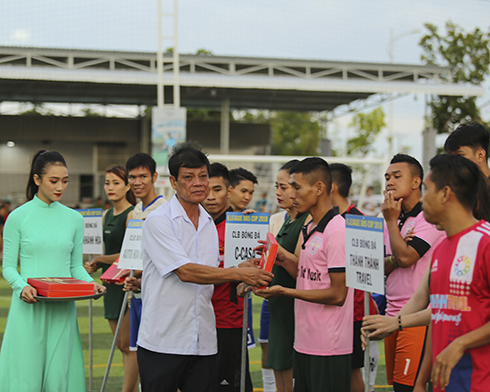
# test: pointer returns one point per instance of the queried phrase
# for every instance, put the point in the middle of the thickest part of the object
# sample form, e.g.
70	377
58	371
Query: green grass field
102	340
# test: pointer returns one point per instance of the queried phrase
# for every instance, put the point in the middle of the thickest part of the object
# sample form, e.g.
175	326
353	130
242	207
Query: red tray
60	284
61	299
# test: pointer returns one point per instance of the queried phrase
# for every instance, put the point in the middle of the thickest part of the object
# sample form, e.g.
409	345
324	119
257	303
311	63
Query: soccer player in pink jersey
405	264
323	303
457	282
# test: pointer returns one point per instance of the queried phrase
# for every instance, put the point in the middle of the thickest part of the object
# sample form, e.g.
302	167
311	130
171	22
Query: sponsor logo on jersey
306	273
462	266
408	228
444	317
315	245
450	302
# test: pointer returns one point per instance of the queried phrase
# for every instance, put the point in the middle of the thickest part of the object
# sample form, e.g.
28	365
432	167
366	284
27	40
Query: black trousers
167	372
230	360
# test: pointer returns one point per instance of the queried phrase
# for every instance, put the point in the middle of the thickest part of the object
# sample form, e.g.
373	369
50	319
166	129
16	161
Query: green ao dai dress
41	349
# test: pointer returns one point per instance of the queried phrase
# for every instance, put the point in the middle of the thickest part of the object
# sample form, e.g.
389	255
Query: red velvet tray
269	254
113	274
62	294
60	284
61	299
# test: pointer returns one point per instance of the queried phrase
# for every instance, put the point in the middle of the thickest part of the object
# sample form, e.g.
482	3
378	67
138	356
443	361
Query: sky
348	30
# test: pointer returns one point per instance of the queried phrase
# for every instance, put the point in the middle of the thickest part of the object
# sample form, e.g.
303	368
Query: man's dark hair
187	155
342	177
141	160
314	169
240	174
415	166
466	181
217	169
473	135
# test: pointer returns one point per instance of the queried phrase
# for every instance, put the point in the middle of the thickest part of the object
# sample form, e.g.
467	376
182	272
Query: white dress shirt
177	317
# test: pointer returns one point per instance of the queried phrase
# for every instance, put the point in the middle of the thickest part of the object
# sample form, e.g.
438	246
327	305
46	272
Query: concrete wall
90	144
15	166
245	139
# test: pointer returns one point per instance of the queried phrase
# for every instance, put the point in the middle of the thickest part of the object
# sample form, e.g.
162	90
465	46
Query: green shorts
313	373
113	300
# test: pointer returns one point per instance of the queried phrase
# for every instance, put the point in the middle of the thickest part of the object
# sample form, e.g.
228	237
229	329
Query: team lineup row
183	327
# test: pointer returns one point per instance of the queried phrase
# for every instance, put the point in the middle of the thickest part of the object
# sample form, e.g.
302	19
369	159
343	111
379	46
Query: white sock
373	366
268	380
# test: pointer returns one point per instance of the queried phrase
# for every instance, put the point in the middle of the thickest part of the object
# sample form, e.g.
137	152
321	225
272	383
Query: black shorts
230	359
313	373
358	353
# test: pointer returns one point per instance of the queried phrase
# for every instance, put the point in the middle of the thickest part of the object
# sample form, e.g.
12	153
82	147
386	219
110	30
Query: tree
89	112
468	57
37	109
202	51
203	114
294	133
367	126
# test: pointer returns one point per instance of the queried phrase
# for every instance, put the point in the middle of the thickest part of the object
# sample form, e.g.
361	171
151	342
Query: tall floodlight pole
175	56
390	49
176	59
160	97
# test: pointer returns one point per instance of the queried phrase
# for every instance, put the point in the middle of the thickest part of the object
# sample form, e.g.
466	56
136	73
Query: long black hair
39	165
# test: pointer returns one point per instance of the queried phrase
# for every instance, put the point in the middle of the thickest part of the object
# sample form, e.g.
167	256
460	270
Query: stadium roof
110	77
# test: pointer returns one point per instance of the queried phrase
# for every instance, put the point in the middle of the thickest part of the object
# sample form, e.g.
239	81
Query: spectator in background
99	203
5	209
370	205
263	204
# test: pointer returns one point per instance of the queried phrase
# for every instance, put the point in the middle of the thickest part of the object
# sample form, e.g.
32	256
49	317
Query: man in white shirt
177	339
